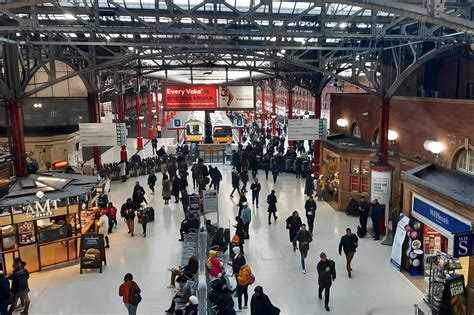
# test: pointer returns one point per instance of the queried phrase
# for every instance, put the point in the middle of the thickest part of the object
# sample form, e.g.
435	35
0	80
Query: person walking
240	232
244	177
166	189
175	188
151	182
138	195
143	218
130	217
272	209
293	224
260	303
235	183
348	243
364	209
310	207
377	213
266	165
129	290
103	226
185	200
275	170
154	146
5	294
242	200
111	212
216	177
20	288
303	237
326	275
246	216
123	171
255	188
243	282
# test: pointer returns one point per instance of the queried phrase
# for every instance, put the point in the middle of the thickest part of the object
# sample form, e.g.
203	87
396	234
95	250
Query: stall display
8	237
26	233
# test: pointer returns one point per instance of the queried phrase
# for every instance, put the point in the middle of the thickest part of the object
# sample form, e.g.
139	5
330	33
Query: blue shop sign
462	245
444	220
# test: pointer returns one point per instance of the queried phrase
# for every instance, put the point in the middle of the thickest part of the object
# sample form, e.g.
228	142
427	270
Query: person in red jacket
124	292
111	212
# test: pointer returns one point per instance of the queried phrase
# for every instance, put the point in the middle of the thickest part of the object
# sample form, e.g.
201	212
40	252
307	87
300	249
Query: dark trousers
194	182
215	183
106	241
246	229
242	290
310	223
152	187
255	198
363	223
303	253
235	188
144	226
266	174
274	178
254	173
244	186
112	222
154	150
270	216
326	294
376	225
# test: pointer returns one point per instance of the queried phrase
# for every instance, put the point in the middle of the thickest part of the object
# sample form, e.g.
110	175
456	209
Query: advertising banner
303	129
190	97
98	134
234	97
381	186
398	240
454	297
462	245
92	251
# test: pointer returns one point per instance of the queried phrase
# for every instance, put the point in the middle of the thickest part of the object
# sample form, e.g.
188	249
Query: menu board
210	201
26	232
194	203
92	251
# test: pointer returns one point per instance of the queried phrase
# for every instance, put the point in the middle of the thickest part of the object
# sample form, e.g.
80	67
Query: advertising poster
237	97
210	201
380	186
398	240
190	97
454	297
92	251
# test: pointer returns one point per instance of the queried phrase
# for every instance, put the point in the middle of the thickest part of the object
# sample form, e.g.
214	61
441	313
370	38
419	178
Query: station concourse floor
375	288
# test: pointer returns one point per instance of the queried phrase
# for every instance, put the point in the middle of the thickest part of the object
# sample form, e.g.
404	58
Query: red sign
190	97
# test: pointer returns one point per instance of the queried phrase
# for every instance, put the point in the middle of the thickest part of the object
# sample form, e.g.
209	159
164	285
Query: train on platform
221	128
194	127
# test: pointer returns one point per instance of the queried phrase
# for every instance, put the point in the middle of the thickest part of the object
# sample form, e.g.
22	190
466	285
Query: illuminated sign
190	97
39	209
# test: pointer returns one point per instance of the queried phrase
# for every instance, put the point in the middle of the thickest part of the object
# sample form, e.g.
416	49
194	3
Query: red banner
190	97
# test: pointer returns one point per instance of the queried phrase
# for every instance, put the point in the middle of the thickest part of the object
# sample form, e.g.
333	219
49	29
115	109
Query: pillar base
123	154
150	133
139	143
470	299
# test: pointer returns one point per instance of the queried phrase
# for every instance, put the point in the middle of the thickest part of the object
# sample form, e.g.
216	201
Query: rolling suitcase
151	214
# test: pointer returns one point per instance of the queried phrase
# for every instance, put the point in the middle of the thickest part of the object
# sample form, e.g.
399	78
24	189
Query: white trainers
304	271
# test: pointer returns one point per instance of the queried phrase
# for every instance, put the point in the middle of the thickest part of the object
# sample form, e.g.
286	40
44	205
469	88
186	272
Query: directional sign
98	134
122	134
177	123
303	129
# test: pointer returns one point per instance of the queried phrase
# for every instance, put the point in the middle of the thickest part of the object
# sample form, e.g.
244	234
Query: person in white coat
103	225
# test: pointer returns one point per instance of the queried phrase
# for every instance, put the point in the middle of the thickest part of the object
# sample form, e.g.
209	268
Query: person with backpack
20	288
272	209
260	304
130	293
303	238
244	279
151	182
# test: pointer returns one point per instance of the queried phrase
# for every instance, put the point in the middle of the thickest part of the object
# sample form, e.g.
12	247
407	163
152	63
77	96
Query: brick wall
414	119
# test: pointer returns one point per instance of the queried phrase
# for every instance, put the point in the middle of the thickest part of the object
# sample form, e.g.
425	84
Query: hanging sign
303	129
92	251
98	134
190	97
237	97
462	245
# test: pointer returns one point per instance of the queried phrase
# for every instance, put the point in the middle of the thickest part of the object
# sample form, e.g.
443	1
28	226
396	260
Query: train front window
194	130
223	131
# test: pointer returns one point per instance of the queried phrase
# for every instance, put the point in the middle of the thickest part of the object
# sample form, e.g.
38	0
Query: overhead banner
237	97
303	129
98	134
190	97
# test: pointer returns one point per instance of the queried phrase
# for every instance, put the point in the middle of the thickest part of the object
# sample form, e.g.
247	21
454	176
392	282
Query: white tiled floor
376	287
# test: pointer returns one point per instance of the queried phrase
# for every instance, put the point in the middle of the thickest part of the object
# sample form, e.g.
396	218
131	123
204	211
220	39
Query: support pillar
177	136
273	112
290	112
94	117
150	117
240	135
15	112
158	114
139	123
121	118
317	142
383	131
263	108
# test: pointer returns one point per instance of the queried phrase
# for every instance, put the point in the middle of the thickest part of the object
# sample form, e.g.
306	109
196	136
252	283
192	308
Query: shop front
43	217
438	247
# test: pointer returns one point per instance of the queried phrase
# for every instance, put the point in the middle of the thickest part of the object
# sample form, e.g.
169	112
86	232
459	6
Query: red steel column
273	112
383	130
15	111
317	143
158	113
150	118
94	117
121	117
139	123
263	107
290	112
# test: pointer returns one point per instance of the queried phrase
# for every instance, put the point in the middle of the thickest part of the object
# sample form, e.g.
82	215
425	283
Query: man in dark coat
272	209
293	224
326	275
138	195
310	207
364	210
260	303
255	188
349	243
303	238
376	215
235	183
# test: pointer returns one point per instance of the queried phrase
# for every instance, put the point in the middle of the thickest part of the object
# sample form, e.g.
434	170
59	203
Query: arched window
465	161
355	130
